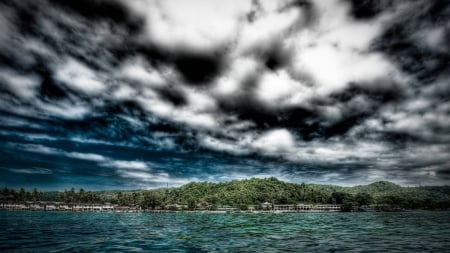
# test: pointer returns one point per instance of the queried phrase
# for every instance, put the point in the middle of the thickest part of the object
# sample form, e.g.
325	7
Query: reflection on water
197	232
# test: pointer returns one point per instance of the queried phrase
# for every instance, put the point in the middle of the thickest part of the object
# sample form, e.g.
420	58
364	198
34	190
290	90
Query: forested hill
254	191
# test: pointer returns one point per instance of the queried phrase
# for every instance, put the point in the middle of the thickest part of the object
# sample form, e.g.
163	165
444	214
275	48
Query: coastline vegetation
250	193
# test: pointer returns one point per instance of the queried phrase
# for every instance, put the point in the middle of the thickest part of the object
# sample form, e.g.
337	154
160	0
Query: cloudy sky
121	94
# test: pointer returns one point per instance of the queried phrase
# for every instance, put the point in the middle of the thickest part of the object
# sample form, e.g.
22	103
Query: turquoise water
25	231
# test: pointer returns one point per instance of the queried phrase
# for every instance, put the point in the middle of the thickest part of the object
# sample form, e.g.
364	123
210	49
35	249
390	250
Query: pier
307	208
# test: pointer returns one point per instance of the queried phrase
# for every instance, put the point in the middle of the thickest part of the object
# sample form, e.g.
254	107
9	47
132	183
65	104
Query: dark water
303	232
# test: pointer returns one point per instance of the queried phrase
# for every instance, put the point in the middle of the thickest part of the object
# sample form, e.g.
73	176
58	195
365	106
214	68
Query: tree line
252	192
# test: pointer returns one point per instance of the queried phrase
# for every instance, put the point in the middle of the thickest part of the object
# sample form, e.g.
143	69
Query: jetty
307	208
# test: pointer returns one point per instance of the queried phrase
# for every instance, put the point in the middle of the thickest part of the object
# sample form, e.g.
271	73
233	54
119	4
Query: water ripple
196	232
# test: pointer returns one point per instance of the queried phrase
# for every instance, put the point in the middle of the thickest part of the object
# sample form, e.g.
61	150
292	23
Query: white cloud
120	165
21	84
37	148
333	68
282	143
16	122
199	101
139	71
35	46
240	68
196	120
145	176
64	109
124	92
196	114
275	141
136	174
278	89
87	156
156	179
433	38
344	151
335	50
266	30
80	77
133	165
196	24
223	145
335	26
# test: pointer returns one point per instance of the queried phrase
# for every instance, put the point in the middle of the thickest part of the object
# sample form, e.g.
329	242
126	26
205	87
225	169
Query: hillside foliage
252	192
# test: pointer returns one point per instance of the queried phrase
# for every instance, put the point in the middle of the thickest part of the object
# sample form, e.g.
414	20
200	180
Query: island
267	195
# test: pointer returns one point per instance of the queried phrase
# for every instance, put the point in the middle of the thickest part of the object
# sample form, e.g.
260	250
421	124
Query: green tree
363	199
35	195
81	197
22	194
192	204
338	197
151	200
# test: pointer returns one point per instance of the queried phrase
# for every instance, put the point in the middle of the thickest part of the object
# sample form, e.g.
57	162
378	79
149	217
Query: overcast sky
121	94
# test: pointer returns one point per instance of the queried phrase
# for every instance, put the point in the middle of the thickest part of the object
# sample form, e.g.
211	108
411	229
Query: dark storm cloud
367	9
112	93
198	68
100	9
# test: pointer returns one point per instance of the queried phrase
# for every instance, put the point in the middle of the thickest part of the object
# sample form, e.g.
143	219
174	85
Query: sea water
27	231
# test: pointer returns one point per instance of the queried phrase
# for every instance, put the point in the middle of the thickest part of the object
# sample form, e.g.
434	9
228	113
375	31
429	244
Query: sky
120	94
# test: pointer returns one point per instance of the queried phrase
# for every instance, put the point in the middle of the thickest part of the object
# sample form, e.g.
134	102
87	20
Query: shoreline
217	212
114	208
165	211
